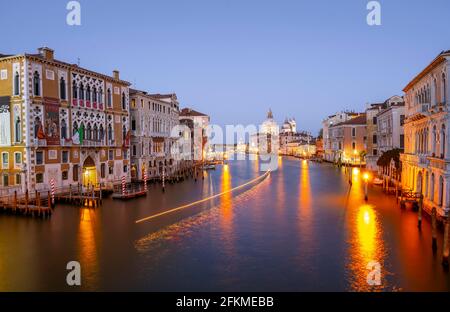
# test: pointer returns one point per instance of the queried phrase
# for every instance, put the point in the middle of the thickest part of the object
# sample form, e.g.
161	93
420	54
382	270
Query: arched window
94	95
441	190
432	187
95	133
75	90
444	89
18	130
63	129
62	88
81	91
434	140
75	128
124	133
16	83
443	141
83	129
124	104
110	134
89	132
101	133
36	84
37	125
109	97
100	96
88	93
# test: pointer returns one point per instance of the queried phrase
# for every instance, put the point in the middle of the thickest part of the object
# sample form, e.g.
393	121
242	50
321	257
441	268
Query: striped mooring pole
123	185
145	180
52	186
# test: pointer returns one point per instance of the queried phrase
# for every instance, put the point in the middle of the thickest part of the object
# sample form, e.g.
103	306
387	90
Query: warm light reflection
226	202
355	171
87	246
366	176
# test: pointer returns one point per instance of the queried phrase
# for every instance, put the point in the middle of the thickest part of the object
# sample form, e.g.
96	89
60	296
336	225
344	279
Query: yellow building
60	122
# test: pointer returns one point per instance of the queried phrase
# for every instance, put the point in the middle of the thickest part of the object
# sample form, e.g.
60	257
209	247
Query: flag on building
78	137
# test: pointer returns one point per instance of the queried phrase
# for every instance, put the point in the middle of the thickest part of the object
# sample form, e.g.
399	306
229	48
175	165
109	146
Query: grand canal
302	228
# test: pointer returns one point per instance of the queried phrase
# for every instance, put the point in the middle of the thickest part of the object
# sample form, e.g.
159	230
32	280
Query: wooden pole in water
433	229
49	204
26	201
445	250
419	213
38	201
15	201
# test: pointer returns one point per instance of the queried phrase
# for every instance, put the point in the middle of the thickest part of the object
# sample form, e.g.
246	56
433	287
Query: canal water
302	228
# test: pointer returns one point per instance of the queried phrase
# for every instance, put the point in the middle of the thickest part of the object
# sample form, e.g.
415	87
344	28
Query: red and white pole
52	186
123	185
145	180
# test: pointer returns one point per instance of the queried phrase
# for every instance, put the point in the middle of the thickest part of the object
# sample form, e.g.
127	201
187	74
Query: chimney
46	53
116	74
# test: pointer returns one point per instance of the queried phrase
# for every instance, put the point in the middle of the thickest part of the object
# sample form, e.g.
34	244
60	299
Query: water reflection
87	247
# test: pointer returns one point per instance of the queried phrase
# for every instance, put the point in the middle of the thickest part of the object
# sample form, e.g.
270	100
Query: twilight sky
235	59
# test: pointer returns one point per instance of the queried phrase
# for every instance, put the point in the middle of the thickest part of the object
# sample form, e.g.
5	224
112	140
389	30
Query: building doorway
89	172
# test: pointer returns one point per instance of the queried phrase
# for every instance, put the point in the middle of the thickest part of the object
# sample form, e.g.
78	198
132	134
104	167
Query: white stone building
426	159
153	117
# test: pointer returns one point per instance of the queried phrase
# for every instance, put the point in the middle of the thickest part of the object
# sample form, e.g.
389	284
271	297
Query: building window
16	83
134	150
133	124
109	97
102	171
17	130
444	89
75	173
39	178
125	168
354	146
65	157
88	93
63	129
402	120
5	160
74	90
111	154
111	170
374	139
39	158
124	104
402	141
100	96
62	88
36	84
65	175
17	159
375	152
5	180
18	179
94	95
353	132
133	103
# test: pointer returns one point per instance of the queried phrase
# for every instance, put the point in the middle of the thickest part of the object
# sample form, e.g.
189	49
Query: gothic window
95	133
17	130
444	89
110	134
89	132
124	104
16	83
94	95
101	133
37	124
75	90
75	128
109	98
63	129
81	92
88	93
36	84
62	88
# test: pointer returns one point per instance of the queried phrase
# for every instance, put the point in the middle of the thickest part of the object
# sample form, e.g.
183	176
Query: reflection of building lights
366	217
355	171
366	176
355	152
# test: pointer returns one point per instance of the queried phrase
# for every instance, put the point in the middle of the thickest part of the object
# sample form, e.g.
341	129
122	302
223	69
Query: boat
209	167
377	181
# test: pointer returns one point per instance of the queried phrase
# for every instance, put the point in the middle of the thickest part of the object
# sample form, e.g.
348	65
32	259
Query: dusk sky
236	59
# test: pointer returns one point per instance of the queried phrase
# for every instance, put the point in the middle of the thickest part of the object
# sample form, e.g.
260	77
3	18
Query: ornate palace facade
60	122
426	160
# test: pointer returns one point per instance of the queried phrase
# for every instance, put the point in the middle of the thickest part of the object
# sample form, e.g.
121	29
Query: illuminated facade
199	138
348	141
426	159
60	122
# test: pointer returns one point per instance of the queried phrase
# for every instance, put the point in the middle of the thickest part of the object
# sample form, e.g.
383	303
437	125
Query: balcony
40	142
439	163
419	111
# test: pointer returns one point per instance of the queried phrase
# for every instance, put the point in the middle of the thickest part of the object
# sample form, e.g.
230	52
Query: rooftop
185	112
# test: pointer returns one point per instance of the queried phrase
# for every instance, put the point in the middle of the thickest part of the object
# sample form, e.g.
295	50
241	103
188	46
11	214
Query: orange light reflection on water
88	255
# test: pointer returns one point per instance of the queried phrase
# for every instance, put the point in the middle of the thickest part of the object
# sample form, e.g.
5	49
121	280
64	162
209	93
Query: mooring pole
445	250
433	229
419	213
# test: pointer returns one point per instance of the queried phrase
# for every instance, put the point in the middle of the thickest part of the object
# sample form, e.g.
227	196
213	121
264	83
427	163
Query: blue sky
236	59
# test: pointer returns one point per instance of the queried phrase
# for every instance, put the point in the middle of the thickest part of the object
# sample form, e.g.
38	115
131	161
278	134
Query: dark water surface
300	229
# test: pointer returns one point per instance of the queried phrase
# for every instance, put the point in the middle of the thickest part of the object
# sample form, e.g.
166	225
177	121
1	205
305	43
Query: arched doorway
89	172
133	171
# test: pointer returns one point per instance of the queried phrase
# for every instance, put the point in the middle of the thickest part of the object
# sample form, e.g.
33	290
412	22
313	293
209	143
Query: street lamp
366	182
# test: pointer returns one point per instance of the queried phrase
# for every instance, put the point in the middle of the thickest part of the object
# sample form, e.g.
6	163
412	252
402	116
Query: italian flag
78	137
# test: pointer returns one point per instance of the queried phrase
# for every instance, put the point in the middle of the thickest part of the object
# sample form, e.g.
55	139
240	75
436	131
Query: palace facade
60	122
426	159
154	118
